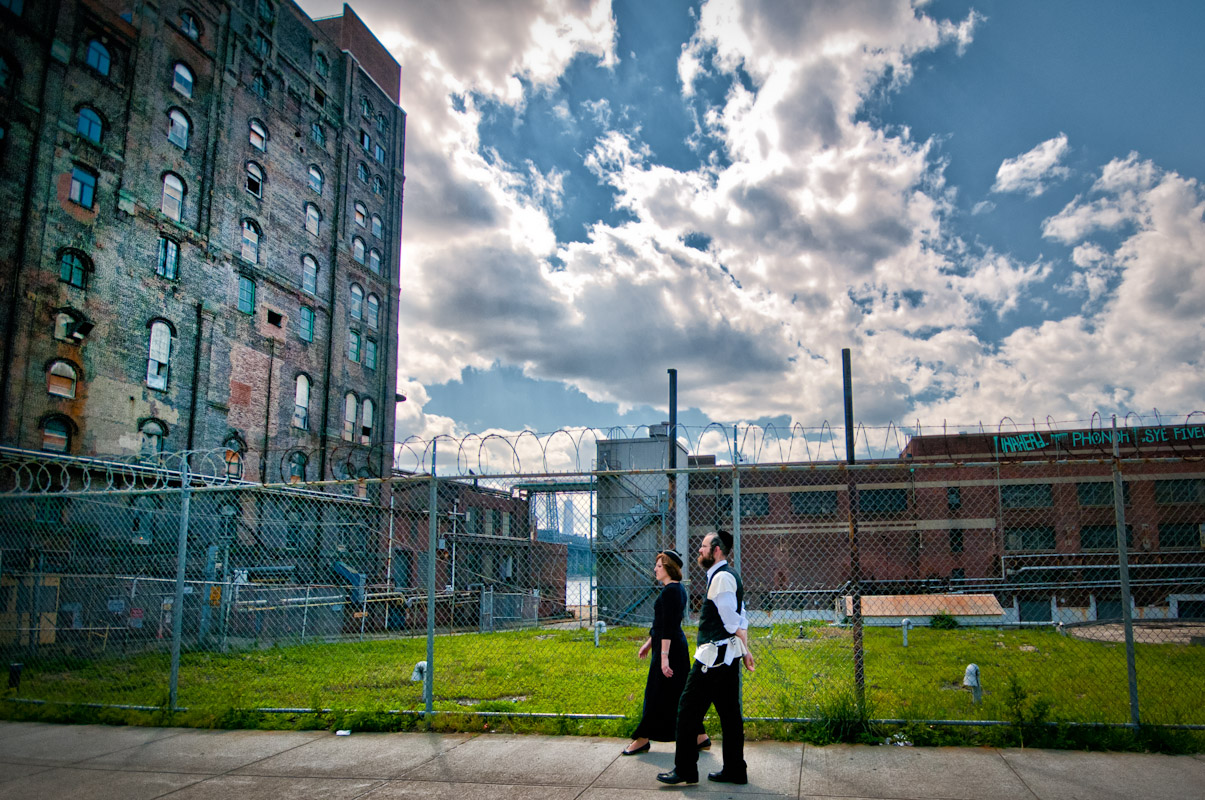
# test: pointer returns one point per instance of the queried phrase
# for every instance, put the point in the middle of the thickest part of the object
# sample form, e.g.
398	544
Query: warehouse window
61	380
88	125
246	295
182	80
159	358
250	246
83	186
372	311
301	402
313	219
167	265
316	179
98	58
1026	495
309	275
378	227
357	249
74	268
306	324
350	415
177	128
258	136
56	435
366	414
255	179
172	203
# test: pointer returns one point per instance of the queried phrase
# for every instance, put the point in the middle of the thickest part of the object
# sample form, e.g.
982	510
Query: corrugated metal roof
926	605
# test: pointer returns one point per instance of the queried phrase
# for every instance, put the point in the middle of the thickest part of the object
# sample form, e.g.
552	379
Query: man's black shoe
722	777
673	777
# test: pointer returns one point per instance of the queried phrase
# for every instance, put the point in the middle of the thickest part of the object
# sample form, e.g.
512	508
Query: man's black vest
711	626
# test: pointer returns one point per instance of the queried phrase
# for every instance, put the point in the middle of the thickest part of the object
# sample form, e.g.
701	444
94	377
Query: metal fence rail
880	581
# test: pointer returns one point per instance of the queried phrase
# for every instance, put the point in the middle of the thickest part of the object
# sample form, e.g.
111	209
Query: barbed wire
565	450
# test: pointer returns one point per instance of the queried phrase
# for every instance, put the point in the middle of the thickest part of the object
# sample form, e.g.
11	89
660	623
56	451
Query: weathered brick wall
221	358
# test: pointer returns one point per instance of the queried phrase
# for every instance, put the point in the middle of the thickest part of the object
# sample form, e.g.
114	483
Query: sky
996	206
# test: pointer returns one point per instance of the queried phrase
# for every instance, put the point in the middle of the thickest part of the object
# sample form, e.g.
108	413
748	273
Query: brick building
1029	518
202	206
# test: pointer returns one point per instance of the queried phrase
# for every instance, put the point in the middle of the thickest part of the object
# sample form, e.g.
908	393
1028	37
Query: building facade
202	211
1029	518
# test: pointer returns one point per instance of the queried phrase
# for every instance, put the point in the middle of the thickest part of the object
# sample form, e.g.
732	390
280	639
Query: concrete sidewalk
38	760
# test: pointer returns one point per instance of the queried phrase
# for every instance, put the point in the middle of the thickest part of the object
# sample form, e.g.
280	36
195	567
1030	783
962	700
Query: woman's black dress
660	718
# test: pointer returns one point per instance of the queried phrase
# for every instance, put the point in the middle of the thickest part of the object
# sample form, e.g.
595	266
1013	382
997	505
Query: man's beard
706	561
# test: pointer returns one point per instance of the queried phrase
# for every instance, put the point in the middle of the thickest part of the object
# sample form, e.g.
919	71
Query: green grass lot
1029	676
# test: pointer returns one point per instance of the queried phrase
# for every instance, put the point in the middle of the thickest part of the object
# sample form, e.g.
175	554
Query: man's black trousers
719	685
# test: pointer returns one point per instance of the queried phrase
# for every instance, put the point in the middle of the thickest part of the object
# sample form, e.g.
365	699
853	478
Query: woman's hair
671	568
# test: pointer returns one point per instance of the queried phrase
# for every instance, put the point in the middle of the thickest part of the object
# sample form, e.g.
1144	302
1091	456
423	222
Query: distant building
1027	517
201	206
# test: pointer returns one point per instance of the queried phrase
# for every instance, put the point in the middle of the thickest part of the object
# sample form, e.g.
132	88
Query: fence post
855	562
178	600
736	518
1123	564
432	524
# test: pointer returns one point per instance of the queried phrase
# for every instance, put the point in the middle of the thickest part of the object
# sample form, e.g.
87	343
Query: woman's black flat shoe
638	750
705	744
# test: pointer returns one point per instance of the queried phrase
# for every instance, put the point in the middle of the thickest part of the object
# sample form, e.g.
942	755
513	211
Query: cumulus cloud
823	231
1031	173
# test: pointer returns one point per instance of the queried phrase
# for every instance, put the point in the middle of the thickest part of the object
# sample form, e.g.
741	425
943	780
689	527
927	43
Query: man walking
715	674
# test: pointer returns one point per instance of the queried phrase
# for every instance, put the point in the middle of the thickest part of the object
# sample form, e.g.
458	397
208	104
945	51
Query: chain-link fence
990	591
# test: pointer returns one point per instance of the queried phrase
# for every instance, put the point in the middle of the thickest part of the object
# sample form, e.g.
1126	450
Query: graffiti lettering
1030	442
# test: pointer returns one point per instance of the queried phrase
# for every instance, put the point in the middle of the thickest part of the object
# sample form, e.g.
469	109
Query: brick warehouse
202	205
1027	517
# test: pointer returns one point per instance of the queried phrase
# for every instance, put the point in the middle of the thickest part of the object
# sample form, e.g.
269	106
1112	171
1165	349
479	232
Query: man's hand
749	663
644	648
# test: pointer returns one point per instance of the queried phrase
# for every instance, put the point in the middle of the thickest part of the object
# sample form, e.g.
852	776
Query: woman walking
670	661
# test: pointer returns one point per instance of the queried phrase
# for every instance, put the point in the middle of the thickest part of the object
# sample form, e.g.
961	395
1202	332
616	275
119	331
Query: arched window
362	171
250	248
234	457
378	227
301	403
189	26
177	128
259	85
74	268
56	435
182	80
309	275
153	433
173	196
98	57
357	249
355	306
382	123
374	261
61	379
366	414
318	134
322	66
353	346
365	106
378	185
361	214
372	311
258	136
350	416
316	179
255	179
313	219
159	359
297	465
88	125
